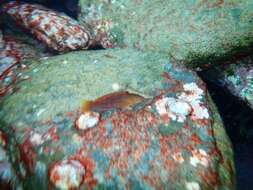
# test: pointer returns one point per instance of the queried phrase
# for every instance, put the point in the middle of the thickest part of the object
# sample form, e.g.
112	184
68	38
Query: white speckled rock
56	30
174	129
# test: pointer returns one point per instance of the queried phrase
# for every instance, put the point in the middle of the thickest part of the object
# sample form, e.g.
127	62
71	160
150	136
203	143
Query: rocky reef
198	33
174	130
55	30
236	77
113	100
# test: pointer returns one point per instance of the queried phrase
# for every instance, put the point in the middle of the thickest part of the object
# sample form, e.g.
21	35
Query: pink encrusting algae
135	133
13	54
10	56
106	144
56	30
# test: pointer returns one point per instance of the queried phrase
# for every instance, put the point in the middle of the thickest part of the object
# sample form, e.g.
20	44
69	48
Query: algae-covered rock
196	32
13	55
6	171
172	138
235	77
57	31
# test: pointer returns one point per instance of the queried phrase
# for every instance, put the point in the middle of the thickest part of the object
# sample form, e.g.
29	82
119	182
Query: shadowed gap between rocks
69	7
238	122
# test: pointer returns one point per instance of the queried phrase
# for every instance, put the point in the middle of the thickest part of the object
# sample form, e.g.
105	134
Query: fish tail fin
86	106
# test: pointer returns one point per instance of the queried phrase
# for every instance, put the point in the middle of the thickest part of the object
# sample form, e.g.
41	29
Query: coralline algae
134	148
187	103
197	33
55	30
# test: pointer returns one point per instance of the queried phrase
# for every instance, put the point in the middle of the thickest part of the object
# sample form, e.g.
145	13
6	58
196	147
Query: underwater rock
154	144
198	33
6	172
87	120
236	77
10	54
14	52
68	174
56	30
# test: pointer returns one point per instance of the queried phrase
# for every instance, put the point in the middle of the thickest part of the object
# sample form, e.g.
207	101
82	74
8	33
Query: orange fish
116	100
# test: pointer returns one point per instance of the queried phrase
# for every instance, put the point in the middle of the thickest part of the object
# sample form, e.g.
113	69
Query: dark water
238	121
70	7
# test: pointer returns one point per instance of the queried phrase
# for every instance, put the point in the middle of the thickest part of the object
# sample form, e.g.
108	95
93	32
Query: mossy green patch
59	84
198	33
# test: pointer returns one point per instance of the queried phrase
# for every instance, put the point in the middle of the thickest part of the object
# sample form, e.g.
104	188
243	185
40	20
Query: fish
116	100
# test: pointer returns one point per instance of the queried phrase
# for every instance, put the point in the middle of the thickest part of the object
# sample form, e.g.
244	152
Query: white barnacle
87	120
187	103
174	108
192	93
178	109
199	111
192	185
68	174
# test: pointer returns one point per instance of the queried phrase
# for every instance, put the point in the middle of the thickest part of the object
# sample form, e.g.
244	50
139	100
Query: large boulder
57	31
171	138
199	32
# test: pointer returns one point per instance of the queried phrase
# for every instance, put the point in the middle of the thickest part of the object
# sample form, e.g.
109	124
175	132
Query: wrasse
116	100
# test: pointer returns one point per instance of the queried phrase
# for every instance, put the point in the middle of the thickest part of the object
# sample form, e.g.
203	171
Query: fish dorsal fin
86	105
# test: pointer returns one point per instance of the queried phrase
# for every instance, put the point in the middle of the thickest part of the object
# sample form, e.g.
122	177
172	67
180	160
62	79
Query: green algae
172	128
198	33
226	170
235	77
59	84
247	91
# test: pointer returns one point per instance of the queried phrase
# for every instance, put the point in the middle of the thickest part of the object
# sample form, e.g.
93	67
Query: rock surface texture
15	51
236	77
199	33
130	118
172	139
